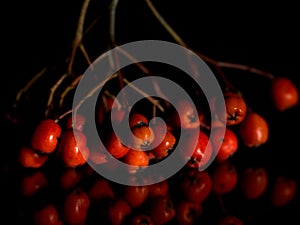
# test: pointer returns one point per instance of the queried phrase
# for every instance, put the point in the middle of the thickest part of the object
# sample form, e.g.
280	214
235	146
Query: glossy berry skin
135	195
187	212
45	136
283	191
158	189
230	220
254	182
165	147
47	215
136	159
118	210
30	158
254	131
137	119
115	146
202	151
284	93
77	124
72	149
228	143
195	185
224	178
144	136
31	184
101	189
75	207
161	209
69	178
186	116
236	108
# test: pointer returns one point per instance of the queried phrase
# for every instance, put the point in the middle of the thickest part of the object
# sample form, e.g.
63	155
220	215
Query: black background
36	34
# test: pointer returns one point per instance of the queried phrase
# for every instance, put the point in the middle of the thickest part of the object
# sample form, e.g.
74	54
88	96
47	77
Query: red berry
202	151
101	189
227	141
186	116
136	159
254	182
224	178
45	135
115	146
236	108
144	136
137	119
69	178
187	212
29	157
47	215
135	195
283	191
284	93
164	140
32	184
72	149
77	124
195	185
254	131
118	210
161	209
75	207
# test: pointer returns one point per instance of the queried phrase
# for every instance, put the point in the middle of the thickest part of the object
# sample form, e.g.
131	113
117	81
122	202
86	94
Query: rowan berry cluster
57	181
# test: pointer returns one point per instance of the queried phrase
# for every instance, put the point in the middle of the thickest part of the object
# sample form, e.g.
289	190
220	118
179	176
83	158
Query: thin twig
28	85
78	34
151	99
246	68
52	91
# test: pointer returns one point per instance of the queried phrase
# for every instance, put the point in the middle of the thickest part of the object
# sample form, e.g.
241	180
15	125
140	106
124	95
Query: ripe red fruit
202	152
76	124
118	210
187	212
141	219
31	184
144	136
230	220
75	207
101	189
115	146
47	215
228	143
69	178
45	135
135	195
158	189
283	191
254	131
284	93
137	119
254	182
136	159
30	158
161	209
224	178
162	149
236	108
195	185
72	149
186	116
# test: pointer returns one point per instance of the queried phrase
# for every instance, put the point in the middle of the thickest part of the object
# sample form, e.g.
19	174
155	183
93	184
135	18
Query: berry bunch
218	147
